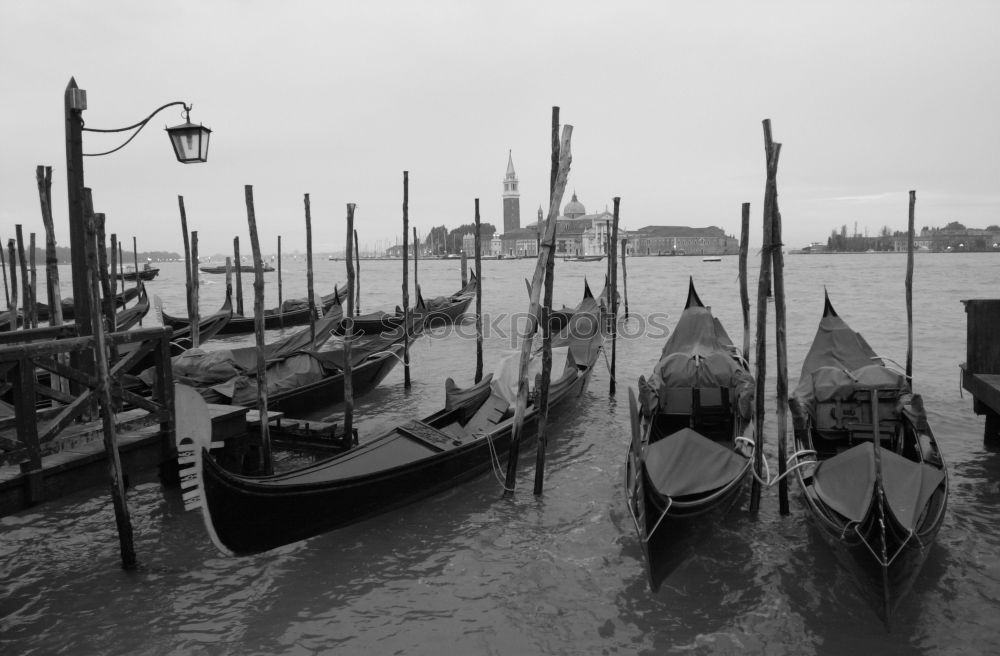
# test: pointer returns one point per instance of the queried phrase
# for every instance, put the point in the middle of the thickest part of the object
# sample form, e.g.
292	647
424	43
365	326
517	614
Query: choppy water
467	572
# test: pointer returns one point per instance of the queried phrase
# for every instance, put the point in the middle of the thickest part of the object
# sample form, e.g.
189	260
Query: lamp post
190	144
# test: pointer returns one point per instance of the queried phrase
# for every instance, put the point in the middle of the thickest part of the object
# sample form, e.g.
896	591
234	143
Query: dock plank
984	387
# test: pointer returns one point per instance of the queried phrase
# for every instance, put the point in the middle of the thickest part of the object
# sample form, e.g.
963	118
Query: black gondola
295	313
879	488
248	514
68	314
688	462
436	313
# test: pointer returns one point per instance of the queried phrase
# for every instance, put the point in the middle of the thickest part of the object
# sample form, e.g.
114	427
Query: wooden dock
77	459
981	370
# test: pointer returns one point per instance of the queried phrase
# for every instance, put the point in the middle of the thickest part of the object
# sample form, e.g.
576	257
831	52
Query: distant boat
244	268
711	259
583	258
146	273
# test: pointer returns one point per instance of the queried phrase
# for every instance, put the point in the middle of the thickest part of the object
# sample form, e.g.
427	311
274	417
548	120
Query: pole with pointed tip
309	271
349	331
479	300
406	273
534	312
909	290
258	329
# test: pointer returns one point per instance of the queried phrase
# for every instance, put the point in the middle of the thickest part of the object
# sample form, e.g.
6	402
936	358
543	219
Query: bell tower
511	198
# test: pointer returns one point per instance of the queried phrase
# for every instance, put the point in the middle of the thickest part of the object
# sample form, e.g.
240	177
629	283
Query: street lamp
190	143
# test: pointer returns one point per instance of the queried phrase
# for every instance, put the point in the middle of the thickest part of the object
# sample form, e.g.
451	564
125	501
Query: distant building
682	240
948	240
511	198
577	233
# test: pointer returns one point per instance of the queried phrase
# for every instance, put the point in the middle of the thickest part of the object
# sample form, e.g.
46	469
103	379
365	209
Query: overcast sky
869	100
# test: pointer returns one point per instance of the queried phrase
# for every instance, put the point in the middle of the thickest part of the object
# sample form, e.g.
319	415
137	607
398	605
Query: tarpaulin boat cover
699	354
839	363
505	375
846	483
687	462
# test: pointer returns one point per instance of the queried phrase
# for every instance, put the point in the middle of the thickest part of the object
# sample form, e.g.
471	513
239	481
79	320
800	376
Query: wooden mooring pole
479	300
909	289
464	269
546	325
520	408
258	329
25	279
122	518
281	309
6	289
625	276
614	296
416	259
357	276
313	312
763	292
239	276
195	292
43	176
349	330
773	151
12	298
135	263
33	285
406	282
744	294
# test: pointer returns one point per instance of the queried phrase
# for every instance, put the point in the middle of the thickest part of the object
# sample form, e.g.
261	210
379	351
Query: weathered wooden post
416	259
239	276
614	296
465	269
25	279
108	304
34	280
188	273
195	292
122	518
565	157
43	176
281	308
763	292
258	329
909	290
6	289
546	325
744	295
113	276
406	285
773	150
12	299
229	277
349	331
135	264
479	300
625	276
309	271
357	280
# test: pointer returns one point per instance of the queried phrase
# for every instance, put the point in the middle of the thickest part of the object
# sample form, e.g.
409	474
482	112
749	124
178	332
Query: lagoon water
467	572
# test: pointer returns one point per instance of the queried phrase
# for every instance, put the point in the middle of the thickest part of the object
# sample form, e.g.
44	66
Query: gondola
244	268
688	462
436	313
299	382
124	319
121	298
582	258
296	313
250	514
145	273
130	316
879	487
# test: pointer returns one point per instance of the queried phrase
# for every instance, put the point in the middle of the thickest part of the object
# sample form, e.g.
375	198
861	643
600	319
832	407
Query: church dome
574	208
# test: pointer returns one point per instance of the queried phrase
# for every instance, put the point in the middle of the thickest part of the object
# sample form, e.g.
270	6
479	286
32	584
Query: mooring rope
494	461
768	481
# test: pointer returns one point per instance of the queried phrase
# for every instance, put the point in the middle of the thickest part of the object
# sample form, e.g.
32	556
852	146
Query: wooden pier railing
981	371
31	363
